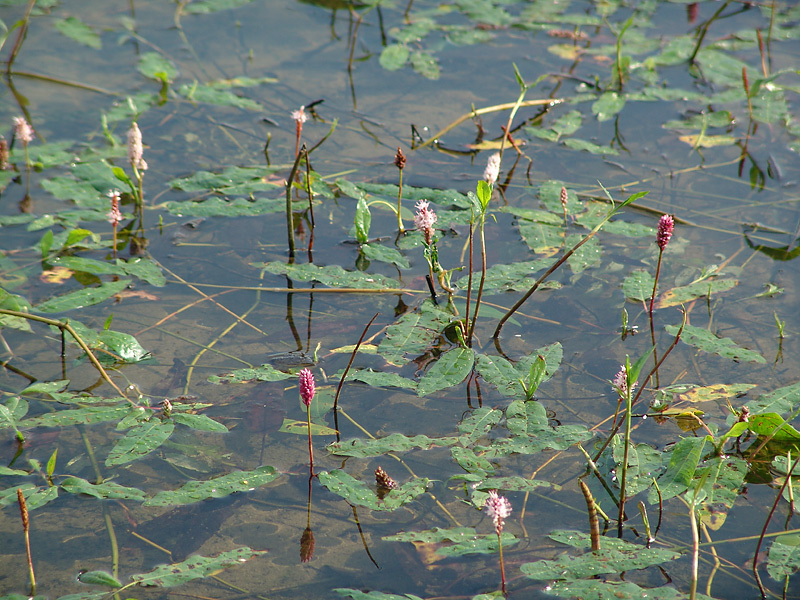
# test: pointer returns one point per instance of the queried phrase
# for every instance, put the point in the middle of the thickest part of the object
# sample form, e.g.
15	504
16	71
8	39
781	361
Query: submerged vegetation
154	352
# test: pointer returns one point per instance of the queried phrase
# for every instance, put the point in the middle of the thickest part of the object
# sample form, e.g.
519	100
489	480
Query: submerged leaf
457	541
140	441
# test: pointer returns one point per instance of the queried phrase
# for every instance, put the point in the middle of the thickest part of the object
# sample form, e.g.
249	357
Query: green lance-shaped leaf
707	342
107	489
394	57
456	541
194	567
478	424
451	369
396	442
140	441
82	298
219	487
363	219
683	461
358	493
99	578
77	30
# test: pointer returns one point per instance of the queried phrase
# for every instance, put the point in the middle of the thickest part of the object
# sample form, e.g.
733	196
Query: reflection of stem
67	327
289	183
23	31
695	549
349	364
363	539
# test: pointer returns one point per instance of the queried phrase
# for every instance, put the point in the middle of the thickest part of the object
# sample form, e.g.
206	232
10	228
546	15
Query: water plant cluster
443	404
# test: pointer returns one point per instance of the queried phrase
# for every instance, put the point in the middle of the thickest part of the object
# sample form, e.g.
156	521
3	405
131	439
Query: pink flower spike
307	386
492	171
665	226
300	116
620	382
424	220
114	216
23	131
498	508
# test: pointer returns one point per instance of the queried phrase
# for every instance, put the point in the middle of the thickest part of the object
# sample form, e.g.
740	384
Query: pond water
700	115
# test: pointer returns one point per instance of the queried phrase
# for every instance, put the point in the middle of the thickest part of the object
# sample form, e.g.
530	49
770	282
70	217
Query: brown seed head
399	159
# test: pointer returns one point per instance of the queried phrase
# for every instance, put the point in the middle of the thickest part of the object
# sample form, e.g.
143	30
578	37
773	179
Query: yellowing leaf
57	275
713	392
707	141
568	51
300	427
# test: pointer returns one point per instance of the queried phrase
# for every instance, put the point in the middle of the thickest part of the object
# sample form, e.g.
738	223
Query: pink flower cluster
498	508
114	216
620	382
665	226
23	131
492	171
135	148
424	220
307	386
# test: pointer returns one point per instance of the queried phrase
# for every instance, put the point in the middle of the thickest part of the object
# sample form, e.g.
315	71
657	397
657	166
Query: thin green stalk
400	226
695	550
704	30
483	278
502	562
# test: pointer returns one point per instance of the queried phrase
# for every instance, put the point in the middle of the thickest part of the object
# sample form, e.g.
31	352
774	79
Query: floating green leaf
477	424
219	487
349	593
99	578
140	441
199	422
262	373
707	342
425	64
413	333
608	105
613	590
451	369
82	298
396	442
394	57
385	254
684	459
684	294
331	275
301	428
107	489
213	93
638	286
195	567
500	373
612	557
77	30
151	63
78	416
378	378
358	494
457	541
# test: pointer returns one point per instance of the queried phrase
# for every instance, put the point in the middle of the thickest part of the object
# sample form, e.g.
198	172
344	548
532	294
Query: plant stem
23	509
695	550
502	563
650	312
483	278
623	481
310	446
400	227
